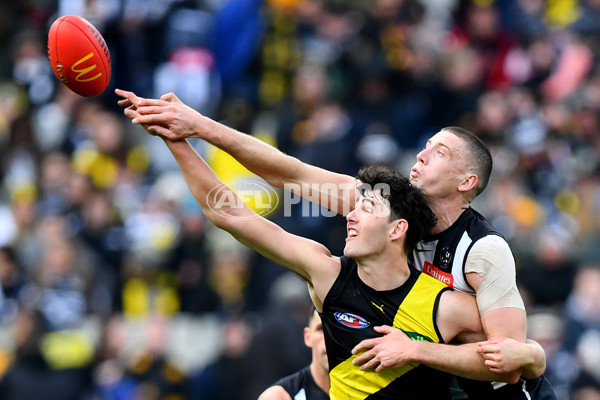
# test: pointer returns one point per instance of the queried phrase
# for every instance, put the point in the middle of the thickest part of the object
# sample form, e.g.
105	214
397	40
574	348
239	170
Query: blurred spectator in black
191	261
11	283
586	389
35	373
546	327
583	306
144	372
232	375
103	235
61	283
278	336
229	273
547	276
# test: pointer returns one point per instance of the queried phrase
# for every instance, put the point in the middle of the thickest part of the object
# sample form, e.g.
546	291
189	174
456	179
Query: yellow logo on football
84	71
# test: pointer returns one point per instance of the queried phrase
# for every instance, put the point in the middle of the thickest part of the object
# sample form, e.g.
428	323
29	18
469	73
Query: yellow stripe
415	314
348	382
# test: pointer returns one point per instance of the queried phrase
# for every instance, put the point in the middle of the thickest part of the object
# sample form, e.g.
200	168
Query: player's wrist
418	352
207	129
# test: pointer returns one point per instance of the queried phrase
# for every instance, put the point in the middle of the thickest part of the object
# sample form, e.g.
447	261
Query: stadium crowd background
113	286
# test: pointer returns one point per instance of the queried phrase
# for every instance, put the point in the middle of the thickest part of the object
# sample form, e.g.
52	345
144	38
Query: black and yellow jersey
352	309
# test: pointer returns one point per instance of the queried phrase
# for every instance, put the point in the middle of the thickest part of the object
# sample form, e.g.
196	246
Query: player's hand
130	101
392	350
167	117
502	354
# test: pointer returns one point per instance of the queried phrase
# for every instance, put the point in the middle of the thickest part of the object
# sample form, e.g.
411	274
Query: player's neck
384	272
447	211
320	376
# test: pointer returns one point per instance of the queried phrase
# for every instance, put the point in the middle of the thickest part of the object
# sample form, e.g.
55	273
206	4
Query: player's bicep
509	322
309	259
458	318
490	270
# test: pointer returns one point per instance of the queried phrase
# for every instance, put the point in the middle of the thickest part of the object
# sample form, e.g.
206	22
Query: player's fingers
131	112
157	130
123	93
124	103
492	355
493	361
152	109
371	364
151	119
143	102
128	96
385	329
489	348
497	369
363	346
380	368
170	97
364	357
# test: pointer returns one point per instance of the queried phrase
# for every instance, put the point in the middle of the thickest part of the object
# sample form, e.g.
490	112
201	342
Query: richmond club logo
351	320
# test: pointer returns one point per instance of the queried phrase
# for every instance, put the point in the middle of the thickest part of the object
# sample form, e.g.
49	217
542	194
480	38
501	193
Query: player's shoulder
491	242
275	392
479	224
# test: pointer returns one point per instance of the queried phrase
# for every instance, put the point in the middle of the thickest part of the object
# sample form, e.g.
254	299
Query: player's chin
353	253
348	251
414	181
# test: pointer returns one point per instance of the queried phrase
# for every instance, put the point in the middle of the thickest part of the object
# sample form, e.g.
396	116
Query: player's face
367	227
315	340
440	166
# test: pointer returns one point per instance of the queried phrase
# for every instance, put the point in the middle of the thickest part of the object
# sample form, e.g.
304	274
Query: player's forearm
331	190
201	180
461	360
535	365
259	157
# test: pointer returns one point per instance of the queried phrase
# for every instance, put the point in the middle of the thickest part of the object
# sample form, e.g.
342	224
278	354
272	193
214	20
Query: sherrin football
79	56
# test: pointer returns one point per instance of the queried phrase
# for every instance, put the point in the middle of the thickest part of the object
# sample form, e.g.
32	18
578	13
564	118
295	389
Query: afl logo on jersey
351	320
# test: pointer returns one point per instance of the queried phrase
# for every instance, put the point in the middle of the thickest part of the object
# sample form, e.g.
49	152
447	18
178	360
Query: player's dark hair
406	201
480	156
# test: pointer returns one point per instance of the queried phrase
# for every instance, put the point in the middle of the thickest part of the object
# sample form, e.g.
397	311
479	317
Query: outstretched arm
226	210
171	119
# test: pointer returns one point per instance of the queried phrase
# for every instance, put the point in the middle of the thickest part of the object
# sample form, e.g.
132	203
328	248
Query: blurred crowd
114	286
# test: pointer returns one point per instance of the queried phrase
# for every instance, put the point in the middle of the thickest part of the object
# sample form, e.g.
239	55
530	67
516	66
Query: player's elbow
222	220
289	174
532	373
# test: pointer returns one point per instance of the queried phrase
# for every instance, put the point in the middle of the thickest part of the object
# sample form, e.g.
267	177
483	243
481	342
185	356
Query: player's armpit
458	318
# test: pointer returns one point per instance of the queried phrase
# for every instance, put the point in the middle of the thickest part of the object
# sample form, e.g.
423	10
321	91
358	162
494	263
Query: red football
79	55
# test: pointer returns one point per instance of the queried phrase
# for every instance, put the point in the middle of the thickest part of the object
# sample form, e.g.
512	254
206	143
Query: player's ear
307	337
468	182
400	226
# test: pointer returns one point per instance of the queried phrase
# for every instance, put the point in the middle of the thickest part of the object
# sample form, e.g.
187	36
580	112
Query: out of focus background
114	286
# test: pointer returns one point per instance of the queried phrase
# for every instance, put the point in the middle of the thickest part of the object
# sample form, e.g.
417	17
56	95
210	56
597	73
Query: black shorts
525	389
